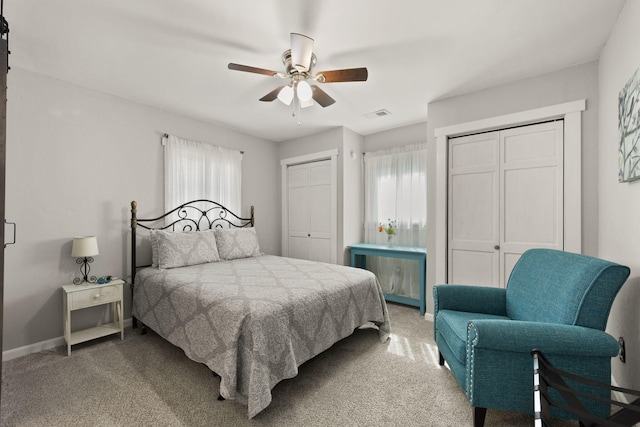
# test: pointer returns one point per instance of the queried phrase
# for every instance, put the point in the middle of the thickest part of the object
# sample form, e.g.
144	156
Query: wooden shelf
95	332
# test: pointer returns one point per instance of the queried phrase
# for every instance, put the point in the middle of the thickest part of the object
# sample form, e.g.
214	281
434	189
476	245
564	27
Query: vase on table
389	239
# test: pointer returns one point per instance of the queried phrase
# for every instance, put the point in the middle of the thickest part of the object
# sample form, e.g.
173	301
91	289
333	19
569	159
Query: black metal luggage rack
547	377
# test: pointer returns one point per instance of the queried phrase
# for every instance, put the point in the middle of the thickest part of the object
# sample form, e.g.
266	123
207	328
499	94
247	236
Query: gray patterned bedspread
253	321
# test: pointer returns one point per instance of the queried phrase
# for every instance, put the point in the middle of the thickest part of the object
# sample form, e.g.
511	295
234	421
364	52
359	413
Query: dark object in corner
547	378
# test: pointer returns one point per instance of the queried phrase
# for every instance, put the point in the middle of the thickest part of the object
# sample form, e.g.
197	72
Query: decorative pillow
236	243
153	239
179	249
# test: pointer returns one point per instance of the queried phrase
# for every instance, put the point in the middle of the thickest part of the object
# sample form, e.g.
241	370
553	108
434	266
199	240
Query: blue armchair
556	302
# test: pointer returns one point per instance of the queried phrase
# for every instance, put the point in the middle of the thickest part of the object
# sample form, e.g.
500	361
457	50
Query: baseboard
41	346
620	397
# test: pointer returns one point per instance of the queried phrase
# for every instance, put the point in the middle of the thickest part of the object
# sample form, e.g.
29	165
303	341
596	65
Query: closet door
309	211
505	196
474	222
532	192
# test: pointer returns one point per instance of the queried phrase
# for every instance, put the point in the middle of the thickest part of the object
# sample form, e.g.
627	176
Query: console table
360	251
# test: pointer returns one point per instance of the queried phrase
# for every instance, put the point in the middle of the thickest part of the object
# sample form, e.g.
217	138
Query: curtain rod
166	135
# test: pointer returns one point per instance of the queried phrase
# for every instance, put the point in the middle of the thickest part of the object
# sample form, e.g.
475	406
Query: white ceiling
173	54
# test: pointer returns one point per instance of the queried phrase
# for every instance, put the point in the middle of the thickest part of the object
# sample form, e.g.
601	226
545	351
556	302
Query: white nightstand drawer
95	296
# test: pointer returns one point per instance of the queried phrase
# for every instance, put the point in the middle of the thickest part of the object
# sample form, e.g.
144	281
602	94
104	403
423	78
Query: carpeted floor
145	381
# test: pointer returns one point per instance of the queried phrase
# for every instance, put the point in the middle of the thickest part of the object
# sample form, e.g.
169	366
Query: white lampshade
304	91
301	51
286	95
307	103
84	246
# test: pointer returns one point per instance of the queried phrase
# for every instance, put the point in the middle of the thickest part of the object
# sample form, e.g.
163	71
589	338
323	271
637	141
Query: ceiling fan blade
346	75
272	95
249	69
321	96
301	50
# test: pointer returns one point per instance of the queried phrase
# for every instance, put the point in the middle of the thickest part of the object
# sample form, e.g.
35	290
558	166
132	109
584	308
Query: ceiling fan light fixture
299	62
306	103
304	91
286	95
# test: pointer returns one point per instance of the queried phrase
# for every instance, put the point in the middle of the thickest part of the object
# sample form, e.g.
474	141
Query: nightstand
75	297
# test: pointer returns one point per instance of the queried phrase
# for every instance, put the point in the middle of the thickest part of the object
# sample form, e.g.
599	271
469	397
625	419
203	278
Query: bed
253	319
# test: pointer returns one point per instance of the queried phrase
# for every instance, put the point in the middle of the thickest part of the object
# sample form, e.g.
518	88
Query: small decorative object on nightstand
84	248
91	295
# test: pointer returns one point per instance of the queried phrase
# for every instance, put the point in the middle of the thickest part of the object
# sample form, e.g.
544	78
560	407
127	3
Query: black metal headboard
196	215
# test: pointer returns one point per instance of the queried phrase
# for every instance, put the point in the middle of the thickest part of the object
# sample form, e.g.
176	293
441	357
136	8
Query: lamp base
82	280
84	270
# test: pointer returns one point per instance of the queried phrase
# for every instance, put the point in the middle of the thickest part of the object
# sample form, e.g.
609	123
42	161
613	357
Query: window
196	170
396	191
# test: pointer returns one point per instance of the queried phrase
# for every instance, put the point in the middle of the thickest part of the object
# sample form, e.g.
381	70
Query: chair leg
440	359
478	416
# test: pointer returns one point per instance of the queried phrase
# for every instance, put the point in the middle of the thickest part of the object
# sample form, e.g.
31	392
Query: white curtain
197	170
396	190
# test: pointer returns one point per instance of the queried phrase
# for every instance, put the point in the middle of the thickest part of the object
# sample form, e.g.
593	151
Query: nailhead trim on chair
435	311
470	353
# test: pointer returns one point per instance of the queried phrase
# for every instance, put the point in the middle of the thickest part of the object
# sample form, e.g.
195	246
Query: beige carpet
145	381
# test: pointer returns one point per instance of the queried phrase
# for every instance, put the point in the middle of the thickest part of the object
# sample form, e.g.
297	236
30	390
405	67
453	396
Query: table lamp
84	249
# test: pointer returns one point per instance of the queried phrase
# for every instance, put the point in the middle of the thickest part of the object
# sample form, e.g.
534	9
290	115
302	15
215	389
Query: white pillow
153	239
179	249
236	243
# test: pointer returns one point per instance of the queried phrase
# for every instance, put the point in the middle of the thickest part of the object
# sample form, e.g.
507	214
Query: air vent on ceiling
376	114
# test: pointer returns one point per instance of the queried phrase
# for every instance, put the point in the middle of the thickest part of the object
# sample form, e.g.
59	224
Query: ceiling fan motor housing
291	70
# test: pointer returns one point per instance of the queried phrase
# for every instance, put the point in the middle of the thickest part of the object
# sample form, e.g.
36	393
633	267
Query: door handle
496	247
14	233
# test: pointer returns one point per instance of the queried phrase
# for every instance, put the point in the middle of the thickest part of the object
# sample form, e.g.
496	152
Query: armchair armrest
550	338
474	299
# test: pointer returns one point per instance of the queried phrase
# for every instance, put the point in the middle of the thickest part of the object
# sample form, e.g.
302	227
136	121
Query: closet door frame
284	164
571	113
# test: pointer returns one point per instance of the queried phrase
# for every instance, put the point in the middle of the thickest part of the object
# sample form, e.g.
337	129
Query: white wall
322	141
579	82
619	233
350	147
353	192
398	137
75	160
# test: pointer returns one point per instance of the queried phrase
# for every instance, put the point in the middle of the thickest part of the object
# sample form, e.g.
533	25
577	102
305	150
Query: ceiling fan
299	62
